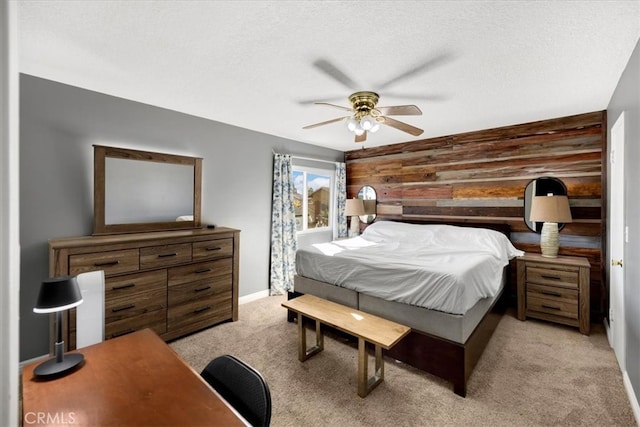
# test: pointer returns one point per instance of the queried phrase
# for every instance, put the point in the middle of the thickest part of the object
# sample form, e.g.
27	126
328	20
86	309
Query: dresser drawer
554	277
132	284
206	311
112	262
156	320
126	307
199	271
198	291
160	256
209	249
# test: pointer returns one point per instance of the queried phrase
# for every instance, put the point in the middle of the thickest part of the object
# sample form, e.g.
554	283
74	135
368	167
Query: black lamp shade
58	294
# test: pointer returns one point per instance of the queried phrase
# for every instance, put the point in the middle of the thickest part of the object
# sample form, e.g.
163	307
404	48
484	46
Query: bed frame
444	358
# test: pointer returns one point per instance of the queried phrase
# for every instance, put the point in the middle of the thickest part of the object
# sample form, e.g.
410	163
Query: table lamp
550	210
56	295
353	209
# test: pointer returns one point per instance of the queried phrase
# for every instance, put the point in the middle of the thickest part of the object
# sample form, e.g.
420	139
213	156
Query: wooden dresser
174	282
554	289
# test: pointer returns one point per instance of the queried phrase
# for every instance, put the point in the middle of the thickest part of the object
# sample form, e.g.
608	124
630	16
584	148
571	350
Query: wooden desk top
136	379
374	329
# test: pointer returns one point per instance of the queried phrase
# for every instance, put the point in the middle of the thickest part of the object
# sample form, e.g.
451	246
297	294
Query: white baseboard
252	297
633	399
607	329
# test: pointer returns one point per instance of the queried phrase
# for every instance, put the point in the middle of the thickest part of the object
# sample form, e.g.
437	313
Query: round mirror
368	195
541	187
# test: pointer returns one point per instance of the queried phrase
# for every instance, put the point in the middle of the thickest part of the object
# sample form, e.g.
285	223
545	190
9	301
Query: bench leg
366	384
303	352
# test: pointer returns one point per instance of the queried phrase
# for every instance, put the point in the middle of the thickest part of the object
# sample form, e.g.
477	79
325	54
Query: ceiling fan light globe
367	122
359	131
352	124
375	127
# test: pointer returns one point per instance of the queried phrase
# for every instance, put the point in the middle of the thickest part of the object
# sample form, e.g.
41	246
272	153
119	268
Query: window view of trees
312	199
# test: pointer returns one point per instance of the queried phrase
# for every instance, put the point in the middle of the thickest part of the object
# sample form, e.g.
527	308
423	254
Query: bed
444	281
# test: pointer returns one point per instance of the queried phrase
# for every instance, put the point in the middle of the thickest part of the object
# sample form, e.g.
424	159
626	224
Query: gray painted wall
627	98
58	126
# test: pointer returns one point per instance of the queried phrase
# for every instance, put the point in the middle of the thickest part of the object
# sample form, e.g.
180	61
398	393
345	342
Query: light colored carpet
532	373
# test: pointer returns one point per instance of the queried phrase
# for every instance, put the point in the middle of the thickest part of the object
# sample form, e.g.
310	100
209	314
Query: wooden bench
366	327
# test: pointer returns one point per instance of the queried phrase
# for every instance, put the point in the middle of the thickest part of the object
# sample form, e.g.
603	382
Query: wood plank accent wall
480	177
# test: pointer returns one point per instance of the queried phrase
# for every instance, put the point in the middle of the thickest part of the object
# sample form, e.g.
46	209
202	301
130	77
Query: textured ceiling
468	65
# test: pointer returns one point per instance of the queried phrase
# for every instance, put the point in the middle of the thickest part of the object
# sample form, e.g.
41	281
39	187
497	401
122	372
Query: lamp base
549	240
354	229
53	369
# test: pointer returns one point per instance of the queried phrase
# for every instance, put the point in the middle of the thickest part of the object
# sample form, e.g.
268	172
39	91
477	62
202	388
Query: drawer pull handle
128	285
106	263
203	270
551	307
126	307
204	288
551	277
555	294
217	248
167	255
125	332
201	309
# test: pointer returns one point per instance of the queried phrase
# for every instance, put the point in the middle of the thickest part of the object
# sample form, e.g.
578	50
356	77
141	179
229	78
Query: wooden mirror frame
101	153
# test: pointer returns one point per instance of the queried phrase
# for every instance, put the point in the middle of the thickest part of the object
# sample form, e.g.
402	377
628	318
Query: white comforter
440	267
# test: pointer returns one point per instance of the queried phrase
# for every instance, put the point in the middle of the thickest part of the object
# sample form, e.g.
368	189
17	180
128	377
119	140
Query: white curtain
283	227
340	227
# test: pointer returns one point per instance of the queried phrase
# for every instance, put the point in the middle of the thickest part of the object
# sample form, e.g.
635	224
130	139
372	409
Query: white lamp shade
550	209
354	207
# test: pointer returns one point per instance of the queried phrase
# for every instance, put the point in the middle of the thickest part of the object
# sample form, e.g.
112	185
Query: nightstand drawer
554	277
552	300
557	307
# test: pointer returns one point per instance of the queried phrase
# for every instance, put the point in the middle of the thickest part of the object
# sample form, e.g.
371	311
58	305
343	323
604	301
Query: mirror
368	195
541	187
145	191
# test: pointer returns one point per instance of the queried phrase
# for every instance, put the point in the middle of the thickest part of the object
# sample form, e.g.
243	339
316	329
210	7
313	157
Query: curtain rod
312	159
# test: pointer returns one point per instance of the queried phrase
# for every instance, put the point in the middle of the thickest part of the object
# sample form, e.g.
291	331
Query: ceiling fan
365	116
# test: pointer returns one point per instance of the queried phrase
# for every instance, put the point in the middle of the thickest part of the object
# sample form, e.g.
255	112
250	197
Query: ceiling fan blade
400	110
335	106
424	66
315	125
361	138
333	71
405	127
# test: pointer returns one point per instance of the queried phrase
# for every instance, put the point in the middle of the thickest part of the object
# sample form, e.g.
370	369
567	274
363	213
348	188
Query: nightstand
554	289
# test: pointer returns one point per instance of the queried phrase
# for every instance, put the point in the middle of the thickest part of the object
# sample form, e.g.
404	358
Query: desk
136	379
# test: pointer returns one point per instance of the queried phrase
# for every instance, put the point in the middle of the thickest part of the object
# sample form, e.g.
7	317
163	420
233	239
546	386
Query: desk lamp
550	210
56	295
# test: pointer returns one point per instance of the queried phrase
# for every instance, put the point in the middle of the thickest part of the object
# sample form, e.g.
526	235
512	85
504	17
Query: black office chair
242	386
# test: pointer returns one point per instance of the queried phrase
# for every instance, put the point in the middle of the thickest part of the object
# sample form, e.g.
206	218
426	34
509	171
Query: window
313	198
